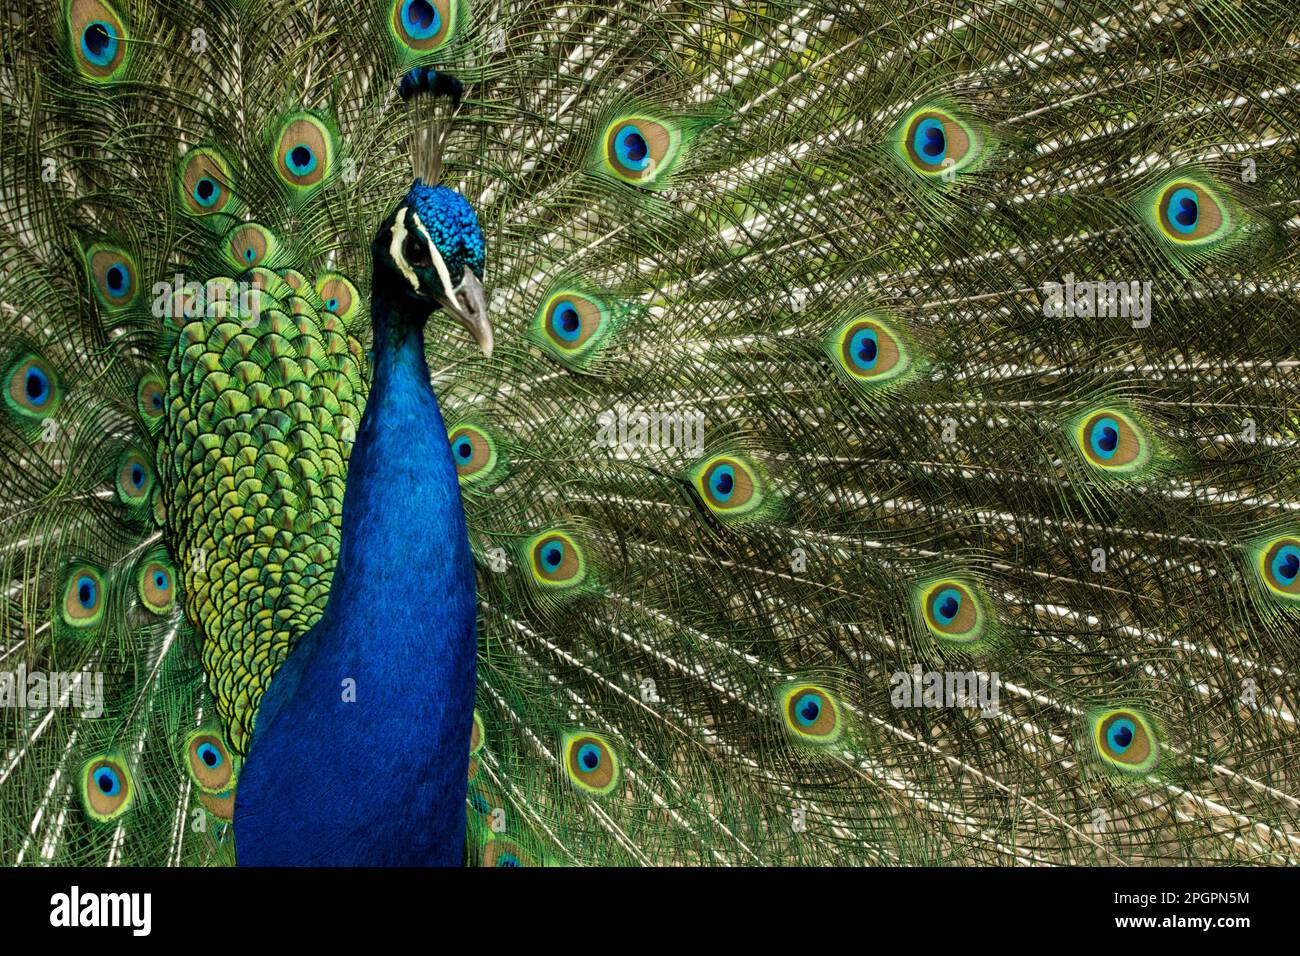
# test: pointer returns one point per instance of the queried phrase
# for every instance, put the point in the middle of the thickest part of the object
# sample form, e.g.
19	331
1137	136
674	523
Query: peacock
756	432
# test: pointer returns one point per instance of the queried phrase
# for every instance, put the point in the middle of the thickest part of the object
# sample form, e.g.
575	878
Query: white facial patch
395	248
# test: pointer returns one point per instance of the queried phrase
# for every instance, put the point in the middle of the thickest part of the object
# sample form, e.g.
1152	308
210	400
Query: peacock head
429	254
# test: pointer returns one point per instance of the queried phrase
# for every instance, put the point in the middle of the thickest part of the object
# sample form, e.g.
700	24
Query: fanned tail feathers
846	353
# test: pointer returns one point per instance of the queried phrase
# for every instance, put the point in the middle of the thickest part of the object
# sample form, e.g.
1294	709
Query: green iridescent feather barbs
789	412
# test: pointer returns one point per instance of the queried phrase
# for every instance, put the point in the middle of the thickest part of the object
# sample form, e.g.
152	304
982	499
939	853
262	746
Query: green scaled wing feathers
264	399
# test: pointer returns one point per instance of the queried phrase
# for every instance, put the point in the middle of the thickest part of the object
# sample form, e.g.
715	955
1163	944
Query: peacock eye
31	389
204	176
82	598
304	151
952	611
113	272
106	788
811	713
935	141
728	485
473	451
869	352
557	560
154	585
423	25
1126	740
1278	564
99	39
1190	212
416	251
639	149
591	763
572	325
1111	441
209	762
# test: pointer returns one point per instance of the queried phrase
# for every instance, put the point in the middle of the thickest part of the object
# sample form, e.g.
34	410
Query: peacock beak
468	304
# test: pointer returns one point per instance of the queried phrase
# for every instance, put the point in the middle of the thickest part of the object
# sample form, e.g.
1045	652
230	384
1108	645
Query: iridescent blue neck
364	733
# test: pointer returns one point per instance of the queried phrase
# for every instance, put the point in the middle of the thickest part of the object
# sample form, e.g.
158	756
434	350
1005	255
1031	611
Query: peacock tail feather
804	393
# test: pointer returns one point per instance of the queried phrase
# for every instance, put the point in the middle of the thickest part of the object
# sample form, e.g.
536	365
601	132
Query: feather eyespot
250	245
204	182
811	713
134	478
572	324
1125	739
936	142
304	151
1278	566
338	295
155	583
421	26
98	38
114	276
209	761
151	399
107	789
729	485
869	352
640	150
556	560
590	762
83	597
505	853
32	389
1111	441
1191	213
952	610
473	451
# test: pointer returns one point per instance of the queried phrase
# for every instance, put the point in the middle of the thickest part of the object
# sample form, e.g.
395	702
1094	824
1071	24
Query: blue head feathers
451	224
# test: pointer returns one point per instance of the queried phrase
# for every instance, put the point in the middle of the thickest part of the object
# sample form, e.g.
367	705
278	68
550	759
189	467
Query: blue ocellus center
635	145
421	15
946	605
1184	210
301	159
589	757
98	38
1286	565
1121	735
933	141
35	386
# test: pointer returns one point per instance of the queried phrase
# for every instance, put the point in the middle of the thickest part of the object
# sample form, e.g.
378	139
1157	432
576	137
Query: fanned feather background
826	233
